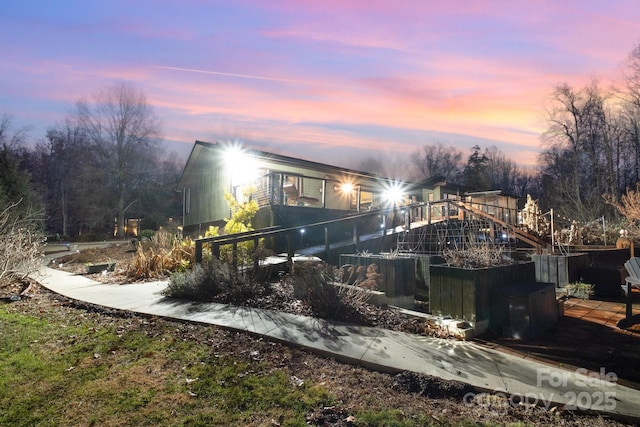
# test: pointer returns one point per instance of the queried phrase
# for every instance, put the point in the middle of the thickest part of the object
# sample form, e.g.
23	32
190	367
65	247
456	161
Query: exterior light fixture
346	187
241	166
394	194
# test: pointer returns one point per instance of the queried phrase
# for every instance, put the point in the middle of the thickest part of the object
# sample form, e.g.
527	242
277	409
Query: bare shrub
373	279
350	274
314	283
190	284
475	257
20	243
214	280
359	294
320	293
629	207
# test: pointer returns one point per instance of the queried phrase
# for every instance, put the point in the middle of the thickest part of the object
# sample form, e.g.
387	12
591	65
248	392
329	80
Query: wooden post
198	251
327	246
256	242
629	310
356	238
290	251
281	190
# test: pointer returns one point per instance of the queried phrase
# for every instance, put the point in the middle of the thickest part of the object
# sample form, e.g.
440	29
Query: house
289	191
293	192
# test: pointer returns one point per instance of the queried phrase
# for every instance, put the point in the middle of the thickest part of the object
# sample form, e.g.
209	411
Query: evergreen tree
476	174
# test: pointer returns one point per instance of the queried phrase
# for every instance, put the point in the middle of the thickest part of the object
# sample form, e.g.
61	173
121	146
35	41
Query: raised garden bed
466	293
560	269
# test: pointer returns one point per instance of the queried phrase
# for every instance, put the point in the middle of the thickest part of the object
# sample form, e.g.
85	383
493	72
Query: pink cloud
323	73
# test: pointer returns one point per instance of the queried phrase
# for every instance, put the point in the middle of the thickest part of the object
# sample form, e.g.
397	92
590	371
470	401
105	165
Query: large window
367	200
292	190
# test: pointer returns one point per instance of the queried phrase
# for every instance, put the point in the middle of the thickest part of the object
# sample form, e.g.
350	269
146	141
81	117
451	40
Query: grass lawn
77	372
67	365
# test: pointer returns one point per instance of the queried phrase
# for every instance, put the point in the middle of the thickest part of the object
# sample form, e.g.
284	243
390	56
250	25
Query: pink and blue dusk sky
329	81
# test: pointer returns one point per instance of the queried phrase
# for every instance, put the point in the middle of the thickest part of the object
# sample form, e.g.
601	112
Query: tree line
592	145
590	157
104	163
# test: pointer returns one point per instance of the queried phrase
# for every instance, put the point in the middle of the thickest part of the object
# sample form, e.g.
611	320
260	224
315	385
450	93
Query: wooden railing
538	244
292	232
394	220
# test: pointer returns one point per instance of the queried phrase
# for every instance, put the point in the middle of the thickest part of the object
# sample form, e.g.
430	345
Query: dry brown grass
163	256
475	257
629	207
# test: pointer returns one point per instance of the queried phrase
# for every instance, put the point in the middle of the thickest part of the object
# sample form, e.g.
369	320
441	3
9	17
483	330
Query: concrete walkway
484	368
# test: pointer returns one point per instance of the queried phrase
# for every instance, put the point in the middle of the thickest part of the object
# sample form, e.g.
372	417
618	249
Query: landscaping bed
277	295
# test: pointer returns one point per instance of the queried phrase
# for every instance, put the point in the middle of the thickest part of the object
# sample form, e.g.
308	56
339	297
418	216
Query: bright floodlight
241	166
346	187
394	194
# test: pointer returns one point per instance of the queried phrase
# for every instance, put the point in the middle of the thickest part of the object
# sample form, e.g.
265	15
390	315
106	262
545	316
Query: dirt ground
355	388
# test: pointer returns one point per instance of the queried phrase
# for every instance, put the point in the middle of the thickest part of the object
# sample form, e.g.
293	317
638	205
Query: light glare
346	187
394	194
241	166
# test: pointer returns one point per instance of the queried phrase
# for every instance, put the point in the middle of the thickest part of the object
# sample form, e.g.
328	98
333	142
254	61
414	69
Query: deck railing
393	220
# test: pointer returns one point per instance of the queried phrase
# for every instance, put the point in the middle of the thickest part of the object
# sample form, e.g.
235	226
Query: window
187	200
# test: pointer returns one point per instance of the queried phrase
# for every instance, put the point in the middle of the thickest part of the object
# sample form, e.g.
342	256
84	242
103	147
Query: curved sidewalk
380	349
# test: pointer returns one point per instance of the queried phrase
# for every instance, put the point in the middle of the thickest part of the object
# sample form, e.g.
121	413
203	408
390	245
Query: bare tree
67	176
394	166
437	159
8	138
629	207
123	130
630	96
632	77
503	172
574	149
526	183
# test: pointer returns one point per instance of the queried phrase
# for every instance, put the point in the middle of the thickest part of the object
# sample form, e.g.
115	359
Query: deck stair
465	226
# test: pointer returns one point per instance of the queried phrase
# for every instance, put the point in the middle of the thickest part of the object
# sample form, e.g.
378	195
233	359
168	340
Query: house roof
279	158
431	182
